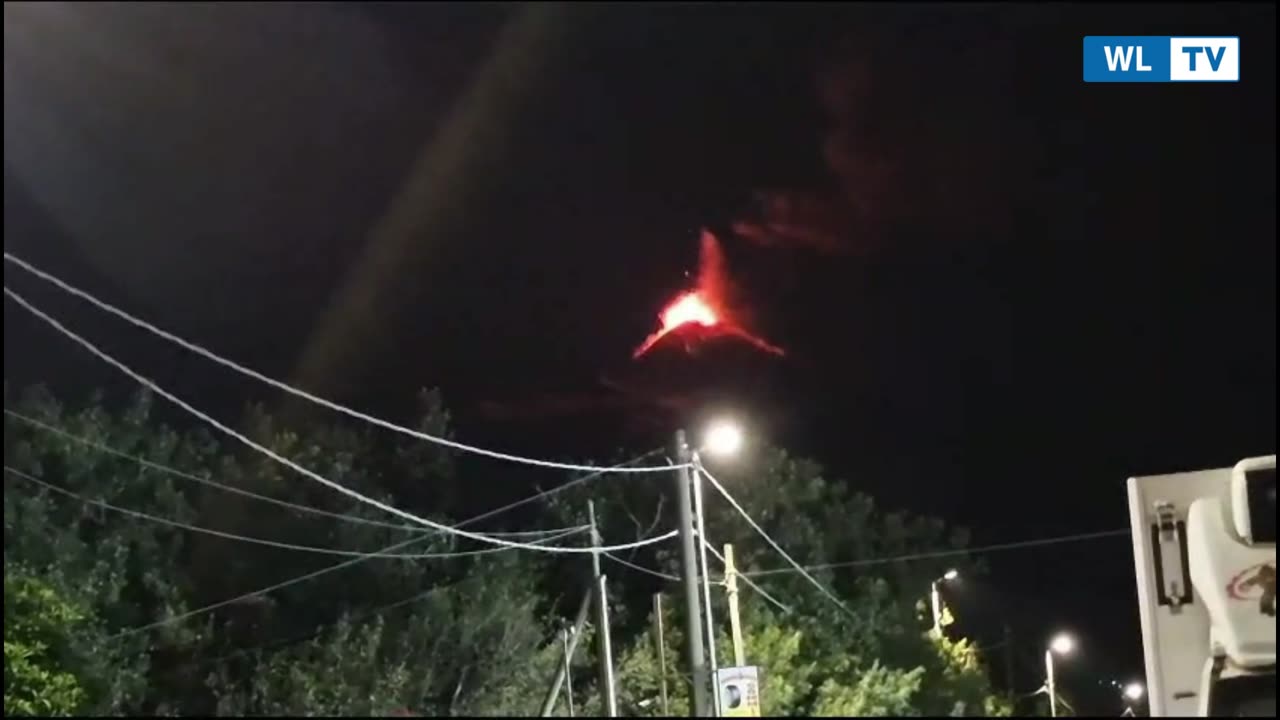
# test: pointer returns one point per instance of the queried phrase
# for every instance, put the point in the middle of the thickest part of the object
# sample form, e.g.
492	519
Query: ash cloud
909	137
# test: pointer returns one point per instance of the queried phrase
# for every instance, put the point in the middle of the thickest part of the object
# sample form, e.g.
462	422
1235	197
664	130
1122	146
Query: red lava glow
705	306
688	308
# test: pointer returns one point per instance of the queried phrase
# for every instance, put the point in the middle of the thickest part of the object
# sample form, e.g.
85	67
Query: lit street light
1134	691
723	439
935	598
1061	644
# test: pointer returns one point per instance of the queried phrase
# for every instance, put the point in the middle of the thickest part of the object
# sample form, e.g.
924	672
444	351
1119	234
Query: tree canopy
116	613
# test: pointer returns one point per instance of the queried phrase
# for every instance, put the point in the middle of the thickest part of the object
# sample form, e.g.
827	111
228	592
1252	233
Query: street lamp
935	598
1134	691
1061	644
723	439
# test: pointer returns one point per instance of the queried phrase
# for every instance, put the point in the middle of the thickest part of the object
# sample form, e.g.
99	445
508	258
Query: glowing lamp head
951	574
1134	691
724	439
1062	644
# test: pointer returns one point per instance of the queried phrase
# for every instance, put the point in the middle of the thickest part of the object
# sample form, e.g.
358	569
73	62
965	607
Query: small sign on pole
739	689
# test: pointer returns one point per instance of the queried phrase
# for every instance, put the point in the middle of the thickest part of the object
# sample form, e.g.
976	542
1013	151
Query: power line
299	468
276	644
786	609
949	553
812	580
199	350
238	491
641	568
262	541
348	563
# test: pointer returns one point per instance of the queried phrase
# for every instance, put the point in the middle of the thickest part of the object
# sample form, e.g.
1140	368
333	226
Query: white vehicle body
1205	560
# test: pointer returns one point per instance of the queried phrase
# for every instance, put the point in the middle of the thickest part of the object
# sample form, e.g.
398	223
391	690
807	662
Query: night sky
1001	291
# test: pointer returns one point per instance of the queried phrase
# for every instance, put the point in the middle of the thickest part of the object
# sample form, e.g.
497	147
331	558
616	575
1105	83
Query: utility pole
1049	685
661	640
705	569
689	575
935	599
608	693
735	623
553	693
1008	660
568	672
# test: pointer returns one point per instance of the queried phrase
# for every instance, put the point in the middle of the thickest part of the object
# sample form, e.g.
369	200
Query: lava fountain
706	306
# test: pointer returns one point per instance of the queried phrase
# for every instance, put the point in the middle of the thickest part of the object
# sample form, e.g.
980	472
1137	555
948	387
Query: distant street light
1134	691
1061	644
723	439
935	598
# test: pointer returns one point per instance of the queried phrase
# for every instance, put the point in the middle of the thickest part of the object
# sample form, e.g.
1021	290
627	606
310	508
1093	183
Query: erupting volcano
706	306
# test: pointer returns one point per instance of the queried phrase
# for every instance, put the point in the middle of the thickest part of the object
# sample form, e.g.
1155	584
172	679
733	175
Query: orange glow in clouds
706	306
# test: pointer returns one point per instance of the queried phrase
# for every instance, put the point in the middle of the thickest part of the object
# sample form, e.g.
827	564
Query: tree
39	666
460	635
869	651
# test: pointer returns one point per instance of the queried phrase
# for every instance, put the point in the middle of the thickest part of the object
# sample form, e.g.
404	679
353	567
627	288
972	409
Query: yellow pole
731	584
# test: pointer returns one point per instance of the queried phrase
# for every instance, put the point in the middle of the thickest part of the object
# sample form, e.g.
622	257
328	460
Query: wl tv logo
1122	59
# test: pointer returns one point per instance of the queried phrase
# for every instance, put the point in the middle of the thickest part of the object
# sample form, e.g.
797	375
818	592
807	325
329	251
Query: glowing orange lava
688	308
706	306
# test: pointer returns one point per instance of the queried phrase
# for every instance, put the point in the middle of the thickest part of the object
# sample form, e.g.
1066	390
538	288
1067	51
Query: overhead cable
759	530
246	493
263	541
297	392
332	568
950	553
786	609
105	357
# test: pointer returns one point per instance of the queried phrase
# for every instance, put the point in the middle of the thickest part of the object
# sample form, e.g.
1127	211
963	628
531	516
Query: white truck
1204	549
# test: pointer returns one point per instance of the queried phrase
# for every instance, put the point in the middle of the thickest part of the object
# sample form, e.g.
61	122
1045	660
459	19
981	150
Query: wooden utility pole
661	640
735	623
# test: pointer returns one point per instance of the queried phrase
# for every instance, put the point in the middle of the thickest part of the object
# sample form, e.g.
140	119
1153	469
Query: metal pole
553	693
604	649
662	652
568	671
935	599
1008	661
595	540
712	661
689	576
735	623
1049	684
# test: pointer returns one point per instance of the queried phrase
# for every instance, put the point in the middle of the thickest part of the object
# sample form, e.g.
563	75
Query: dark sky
1002	291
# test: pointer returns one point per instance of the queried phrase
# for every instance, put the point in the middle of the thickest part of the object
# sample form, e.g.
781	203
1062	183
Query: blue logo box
1162	59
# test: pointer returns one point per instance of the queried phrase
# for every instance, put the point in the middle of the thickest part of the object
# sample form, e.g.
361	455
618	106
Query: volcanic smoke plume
705	311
